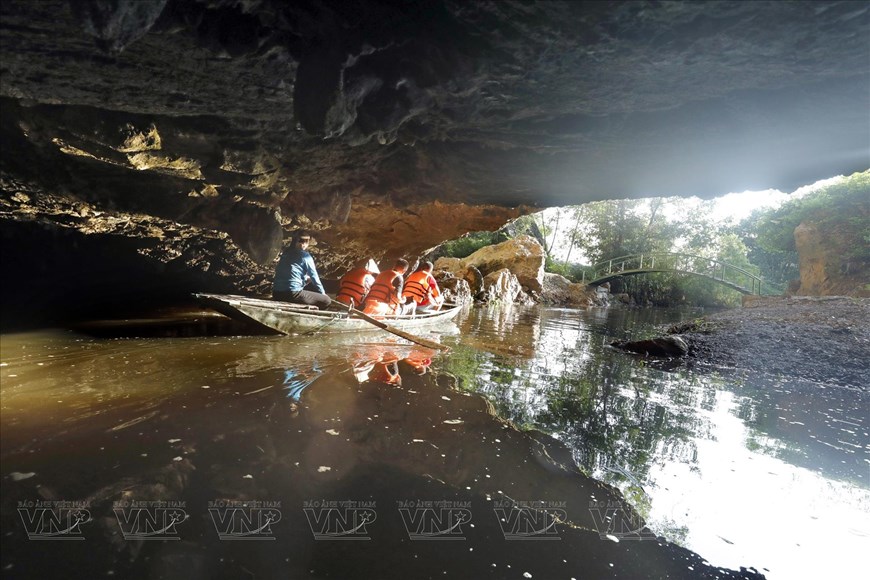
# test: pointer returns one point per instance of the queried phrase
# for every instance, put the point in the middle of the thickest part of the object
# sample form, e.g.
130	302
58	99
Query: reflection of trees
803	422
610	408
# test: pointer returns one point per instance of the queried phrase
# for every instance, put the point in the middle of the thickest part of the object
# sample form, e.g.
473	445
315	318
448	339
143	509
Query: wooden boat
288	318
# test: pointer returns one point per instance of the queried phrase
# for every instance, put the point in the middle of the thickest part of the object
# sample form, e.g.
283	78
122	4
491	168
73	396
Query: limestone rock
484	270
474	278
451	266
522	255
823	270
671	346
454	290
559	290
501	286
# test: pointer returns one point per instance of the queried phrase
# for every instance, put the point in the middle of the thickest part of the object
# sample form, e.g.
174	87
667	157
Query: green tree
842	209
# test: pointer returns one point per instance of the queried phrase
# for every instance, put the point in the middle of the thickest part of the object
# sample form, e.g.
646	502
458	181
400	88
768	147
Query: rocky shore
823	339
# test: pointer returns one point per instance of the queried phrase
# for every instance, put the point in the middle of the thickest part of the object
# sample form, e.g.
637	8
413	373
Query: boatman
294	271
355	285
385	297
422	290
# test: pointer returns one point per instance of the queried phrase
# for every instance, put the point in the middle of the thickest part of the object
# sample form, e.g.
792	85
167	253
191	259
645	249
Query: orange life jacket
383	290
419	285
354	286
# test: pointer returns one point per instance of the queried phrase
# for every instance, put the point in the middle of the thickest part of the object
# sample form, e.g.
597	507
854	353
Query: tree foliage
762	244
842	208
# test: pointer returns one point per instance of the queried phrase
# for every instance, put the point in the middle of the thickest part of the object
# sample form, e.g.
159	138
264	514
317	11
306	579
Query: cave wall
386	127
828	262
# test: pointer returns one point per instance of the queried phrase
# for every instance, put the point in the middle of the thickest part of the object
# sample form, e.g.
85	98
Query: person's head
425	266
401	265
301	239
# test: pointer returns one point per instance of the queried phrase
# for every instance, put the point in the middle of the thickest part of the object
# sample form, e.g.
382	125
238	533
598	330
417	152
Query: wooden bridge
731	276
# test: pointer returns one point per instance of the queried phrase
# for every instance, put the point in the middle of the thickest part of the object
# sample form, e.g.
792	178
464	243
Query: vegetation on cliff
839	213
763	244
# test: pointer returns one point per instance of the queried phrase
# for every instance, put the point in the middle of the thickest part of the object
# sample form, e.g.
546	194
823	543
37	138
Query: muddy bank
824	339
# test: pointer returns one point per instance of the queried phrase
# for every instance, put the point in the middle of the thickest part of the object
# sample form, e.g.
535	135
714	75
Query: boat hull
288	318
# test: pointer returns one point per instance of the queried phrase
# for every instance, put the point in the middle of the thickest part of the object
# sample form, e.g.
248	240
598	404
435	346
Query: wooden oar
406	335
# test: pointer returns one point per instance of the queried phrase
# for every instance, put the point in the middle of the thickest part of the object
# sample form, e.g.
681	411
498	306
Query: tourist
296	270
355	285
385	296
422	290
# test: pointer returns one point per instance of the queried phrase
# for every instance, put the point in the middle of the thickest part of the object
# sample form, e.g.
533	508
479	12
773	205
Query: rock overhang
358	119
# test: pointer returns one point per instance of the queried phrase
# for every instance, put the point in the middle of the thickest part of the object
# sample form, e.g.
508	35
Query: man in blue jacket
294	271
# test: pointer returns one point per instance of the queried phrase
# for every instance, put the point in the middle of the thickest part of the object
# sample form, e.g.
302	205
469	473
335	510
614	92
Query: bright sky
731	207
737	206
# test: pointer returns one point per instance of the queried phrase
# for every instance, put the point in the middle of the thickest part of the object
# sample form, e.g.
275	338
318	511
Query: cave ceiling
389	126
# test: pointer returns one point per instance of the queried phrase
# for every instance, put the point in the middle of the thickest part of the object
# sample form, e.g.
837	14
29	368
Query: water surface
426	463
771	470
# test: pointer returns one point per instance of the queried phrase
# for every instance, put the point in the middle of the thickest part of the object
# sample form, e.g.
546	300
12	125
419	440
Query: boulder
523	256
450	271
561	291
474	278
666	346
502	286
453	289
452	266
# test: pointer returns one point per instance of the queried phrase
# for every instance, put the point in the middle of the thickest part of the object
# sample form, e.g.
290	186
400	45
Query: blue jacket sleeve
312	273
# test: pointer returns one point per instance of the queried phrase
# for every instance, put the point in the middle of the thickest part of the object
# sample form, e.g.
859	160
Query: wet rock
665	346
454	289
474	278
501	286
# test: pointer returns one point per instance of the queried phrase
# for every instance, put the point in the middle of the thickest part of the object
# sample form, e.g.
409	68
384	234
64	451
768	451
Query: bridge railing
676	262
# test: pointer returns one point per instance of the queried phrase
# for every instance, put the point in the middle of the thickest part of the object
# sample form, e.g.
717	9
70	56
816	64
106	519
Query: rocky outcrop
503	287
454	290
825	269
671	346
558	290
512	271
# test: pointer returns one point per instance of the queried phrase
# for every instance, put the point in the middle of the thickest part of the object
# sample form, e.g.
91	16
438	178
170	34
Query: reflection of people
386	366
422	289
386	372
385	297
296	381
377	365
296	269
419	361
355	285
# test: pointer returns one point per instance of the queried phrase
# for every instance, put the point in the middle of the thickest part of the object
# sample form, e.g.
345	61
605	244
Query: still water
201	455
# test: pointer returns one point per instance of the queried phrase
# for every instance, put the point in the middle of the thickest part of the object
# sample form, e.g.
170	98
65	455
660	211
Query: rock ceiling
389	126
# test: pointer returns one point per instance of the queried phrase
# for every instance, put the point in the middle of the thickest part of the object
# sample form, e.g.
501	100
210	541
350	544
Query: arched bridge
731	276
